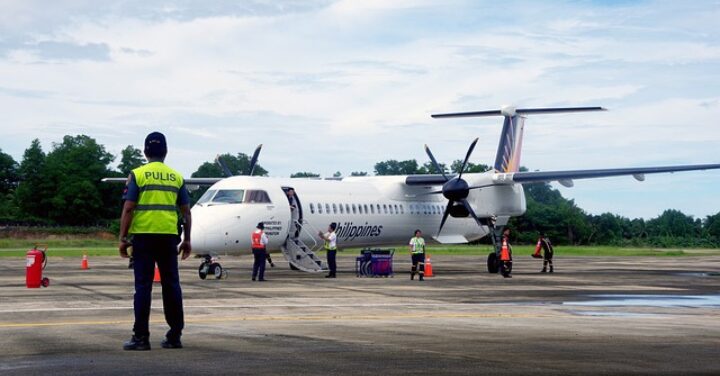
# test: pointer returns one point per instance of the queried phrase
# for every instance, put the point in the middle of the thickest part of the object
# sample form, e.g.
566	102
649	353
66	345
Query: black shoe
330	276
137	344
545	271
171	344
551	271
421	278
262	280
253	278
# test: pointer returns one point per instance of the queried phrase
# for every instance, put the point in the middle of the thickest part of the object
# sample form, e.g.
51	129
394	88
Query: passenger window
396	209
391	209
342	211
425	209
385	210
327	208
365	208
229	196
412	209
402	210
312	208
354	209
334	209
319	208
372	209
347	208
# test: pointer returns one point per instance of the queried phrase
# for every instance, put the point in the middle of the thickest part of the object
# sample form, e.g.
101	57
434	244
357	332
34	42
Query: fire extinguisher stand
35	263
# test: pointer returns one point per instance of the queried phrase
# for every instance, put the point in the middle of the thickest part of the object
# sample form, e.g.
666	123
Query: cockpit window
207	196
229	196
257	197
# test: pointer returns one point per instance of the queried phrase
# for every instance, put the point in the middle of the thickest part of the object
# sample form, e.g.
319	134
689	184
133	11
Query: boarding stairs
299	254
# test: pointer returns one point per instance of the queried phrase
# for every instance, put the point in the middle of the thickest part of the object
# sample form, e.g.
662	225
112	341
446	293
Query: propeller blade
471	211
445	215
226	170
434	162
254	159
467	157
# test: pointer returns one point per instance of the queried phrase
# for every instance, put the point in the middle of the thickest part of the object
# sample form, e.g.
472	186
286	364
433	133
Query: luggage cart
375	262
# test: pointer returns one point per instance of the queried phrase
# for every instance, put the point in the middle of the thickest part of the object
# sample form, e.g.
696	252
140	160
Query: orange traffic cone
157	274
84	263
428	267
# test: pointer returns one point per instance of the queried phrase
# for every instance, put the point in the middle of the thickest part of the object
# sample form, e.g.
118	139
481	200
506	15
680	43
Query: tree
33	191
238	165
305	175
469	168
394	167
72	173
9	174
712	225
358	173
337	174
131	158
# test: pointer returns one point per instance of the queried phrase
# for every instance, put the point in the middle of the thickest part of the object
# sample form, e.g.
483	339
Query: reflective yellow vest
156	210
419	245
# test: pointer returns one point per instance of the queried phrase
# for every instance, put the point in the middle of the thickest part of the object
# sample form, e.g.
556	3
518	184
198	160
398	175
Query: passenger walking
506	255
149	223
259	243
330	239
417	252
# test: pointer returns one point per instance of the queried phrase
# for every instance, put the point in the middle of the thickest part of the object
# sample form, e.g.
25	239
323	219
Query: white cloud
357	80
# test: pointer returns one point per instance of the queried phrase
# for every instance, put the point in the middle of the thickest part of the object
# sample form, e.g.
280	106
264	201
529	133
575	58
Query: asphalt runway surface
609	315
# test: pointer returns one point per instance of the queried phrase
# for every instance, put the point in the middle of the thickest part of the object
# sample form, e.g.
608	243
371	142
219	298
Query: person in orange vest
506	255
259	242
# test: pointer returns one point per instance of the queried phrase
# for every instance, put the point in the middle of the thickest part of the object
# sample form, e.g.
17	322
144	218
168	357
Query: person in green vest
330	239
417	250
149	223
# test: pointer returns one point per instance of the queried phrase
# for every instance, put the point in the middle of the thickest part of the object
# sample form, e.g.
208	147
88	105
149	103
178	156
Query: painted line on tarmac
298	305
205	320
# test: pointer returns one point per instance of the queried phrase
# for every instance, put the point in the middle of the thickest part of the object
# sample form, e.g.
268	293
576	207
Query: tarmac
605	315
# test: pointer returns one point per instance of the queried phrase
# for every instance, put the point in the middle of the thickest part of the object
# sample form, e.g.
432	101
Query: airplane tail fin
509	150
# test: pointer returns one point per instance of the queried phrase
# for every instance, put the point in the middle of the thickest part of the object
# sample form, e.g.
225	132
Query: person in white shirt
330	239
417	250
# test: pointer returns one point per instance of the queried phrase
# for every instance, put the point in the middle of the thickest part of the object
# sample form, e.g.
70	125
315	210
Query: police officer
506	255
152	196
330	239
417	250
548	252
259	243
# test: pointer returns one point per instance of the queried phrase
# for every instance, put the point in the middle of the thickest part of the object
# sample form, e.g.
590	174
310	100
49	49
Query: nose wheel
210	266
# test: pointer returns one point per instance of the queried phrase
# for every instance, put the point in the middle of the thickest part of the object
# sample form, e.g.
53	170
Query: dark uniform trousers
149	249
331	260
416	259
259	264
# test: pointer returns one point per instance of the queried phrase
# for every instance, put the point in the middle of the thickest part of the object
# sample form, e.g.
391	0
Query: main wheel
203	270
492	263
217	270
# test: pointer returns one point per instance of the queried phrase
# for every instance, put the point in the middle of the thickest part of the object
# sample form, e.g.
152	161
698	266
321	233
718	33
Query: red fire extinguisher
34	264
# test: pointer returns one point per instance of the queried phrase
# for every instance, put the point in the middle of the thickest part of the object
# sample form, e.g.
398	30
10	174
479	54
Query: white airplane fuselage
371	211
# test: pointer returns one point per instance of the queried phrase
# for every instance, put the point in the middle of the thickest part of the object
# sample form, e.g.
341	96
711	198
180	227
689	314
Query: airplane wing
566	177
190	181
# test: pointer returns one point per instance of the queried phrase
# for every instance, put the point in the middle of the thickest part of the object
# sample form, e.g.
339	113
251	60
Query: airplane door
296	215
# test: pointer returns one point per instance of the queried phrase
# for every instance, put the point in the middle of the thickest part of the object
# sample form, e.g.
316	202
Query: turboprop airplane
375	211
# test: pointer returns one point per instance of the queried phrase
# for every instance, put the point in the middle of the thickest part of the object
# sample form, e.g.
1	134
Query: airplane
379	211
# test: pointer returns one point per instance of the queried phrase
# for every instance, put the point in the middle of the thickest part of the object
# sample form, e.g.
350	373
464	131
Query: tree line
62	188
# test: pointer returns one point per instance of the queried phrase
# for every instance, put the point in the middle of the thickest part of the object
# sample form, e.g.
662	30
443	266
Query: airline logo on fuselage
349	231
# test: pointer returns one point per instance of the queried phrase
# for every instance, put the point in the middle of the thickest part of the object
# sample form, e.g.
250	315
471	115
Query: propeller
456	190
253	162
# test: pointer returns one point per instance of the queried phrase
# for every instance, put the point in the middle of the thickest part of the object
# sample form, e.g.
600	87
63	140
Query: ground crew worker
259	243
417	251
153	193
548	252
330	239
506	255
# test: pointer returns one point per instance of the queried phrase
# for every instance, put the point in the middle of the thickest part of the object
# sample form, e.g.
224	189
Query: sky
332	86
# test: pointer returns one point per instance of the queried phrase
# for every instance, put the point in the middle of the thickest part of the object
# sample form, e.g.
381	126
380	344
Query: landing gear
210	266
492	263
